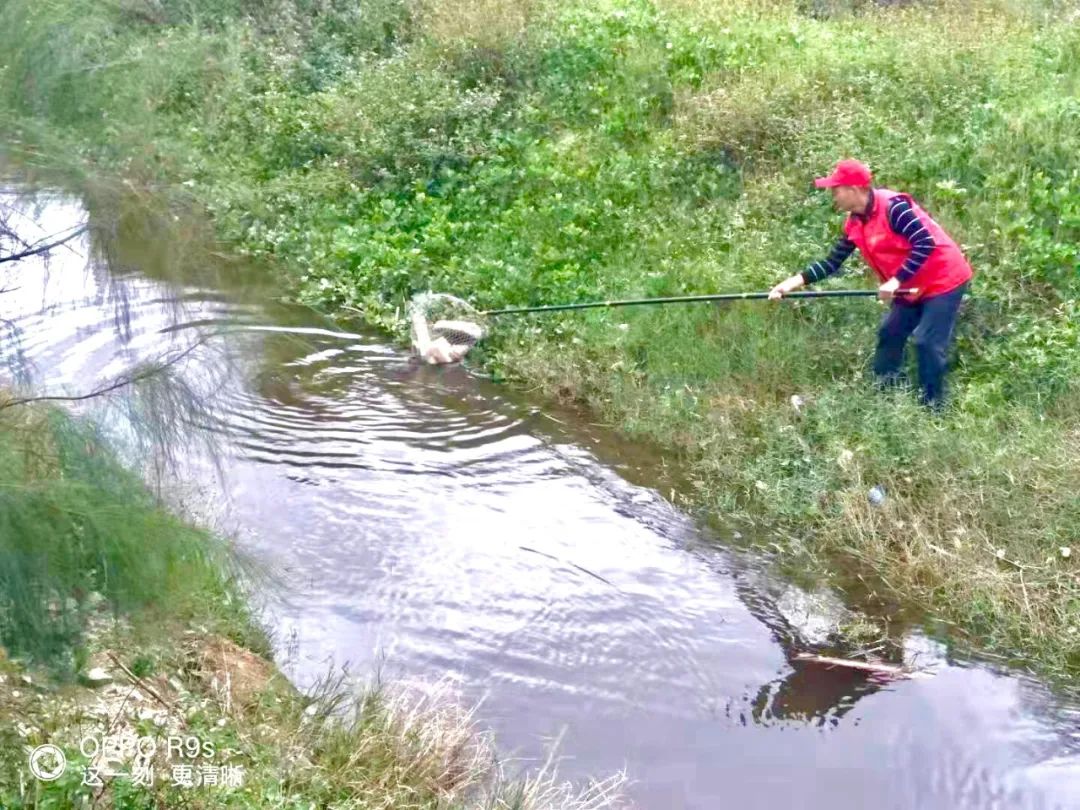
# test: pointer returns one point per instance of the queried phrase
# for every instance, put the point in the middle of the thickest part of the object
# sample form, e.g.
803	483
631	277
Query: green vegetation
545	151
115	622
79	534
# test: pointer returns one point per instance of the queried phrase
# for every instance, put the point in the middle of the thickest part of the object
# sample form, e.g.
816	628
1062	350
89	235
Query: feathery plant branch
38	248
151	369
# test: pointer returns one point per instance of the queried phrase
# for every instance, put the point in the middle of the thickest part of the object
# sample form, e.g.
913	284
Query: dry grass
403	746
427	744
711	9
478	23
971	558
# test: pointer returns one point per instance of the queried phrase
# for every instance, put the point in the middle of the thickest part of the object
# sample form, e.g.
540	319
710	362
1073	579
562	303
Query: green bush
76	527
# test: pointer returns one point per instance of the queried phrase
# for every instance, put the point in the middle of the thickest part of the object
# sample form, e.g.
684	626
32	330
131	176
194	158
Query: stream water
427	523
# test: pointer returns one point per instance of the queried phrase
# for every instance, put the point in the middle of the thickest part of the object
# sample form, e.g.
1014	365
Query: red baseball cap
847	173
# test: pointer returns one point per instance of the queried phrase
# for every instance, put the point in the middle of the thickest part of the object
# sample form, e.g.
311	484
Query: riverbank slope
128	647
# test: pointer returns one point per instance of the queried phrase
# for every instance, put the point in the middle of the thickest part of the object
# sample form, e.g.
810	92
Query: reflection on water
429	522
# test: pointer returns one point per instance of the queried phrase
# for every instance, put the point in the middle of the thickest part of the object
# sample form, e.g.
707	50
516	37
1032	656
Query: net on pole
443	327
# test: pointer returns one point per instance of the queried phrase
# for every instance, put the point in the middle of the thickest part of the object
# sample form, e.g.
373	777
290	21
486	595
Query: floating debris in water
871	667
813	616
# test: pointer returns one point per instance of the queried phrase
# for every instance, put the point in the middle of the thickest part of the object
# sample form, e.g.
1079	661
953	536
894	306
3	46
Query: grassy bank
120	622
551	150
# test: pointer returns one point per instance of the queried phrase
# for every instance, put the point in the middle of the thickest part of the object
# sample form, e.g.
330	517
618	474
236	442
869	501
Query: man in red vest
906	249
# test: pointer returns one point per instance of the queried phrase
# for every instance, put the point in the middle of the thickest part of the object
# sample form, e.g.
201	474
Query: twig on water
37	248
122	382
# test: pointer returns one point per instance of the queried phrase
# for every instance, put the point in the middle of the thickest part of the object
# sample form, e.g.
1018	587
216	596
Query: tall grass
559	150
76	528
412	744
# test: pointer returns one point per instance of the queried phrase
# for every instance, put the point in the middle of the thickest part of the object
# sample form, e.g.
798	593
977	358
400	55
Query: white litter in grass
442	340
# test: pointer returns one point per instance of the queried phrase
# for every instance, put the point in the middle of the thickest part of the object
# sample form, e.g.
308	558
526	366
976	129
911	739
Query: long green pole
680	299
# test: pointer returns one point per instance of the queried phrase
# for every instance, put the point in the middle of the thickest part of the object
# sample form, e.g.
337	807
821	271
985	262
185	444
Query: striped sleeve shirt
905	222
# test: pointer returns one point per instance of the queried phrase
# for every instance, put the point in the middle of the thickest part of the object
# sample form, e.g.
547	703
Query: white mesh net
443	327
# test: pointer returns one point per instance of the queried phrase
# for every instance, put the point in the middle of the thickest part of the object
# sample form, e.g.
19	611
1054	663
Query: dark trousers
931	322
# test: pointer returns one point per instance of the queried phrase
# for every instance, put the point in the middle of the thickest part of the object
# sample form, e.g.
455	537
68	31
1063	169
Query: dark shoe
890	382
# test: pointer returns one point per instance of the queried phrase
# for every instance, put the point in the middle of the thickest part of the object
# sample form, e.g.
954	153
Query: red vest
885	251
